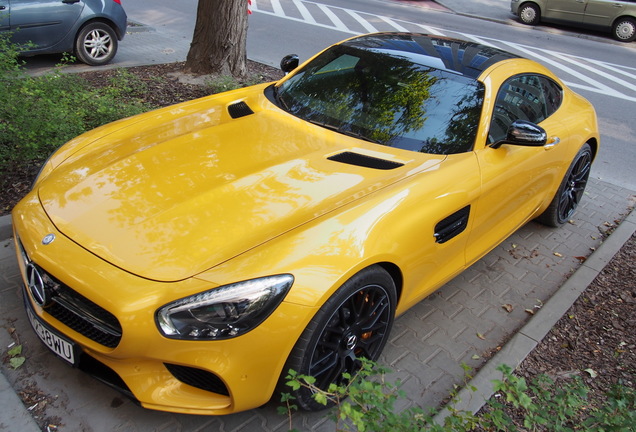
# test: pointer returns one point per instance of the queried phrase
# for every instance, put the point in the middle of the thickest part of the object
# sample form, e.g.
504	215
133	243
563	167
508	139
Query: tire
624	29
355	322
530	13
96	44
570	191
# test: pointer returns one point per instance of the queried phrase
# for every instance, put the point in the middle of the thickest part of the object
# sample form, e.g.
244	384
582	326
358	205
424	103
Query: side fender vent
239	109
361	160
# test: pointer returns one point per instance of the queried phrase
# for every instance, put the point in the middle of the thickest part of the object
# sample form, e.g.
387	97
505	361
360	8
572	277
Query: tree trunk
220	38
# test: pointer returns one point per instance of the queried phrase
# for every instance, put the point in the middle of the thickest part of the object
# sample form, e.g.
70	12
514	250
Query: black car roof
466	58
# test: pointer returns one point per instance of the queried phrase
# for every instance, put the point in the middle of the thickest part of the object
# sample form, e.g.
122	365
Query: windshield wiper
344	131
281	102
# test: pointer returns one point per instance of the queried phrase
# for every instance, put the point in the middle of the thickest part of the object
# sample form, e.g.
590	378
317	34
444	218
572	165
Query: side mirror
524	133
289	63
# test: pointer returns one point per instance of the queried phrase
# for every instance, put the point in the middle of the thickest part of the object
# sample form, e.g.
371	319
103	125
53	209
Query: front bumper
196	377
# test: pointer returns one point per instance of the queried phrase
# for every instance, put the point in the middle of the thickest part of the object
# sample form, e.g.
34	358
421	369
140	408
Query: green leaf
320	398
16	362
15	351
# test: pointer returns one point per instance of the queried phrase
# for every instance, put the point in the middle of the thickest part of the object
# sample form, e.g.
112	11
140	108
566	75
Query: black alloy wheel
570	191
354	323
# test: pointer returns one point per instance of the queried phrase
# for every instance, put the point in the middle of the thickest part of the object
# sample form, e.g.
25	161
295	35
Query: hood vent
361	160
239	109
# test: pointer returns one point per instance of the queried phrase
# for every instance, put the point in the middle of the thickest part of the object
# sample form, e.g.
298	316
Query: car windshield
387	99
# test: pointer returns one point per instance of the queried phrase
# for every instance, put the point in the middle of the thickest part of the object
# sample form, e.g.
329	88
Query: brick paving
462	323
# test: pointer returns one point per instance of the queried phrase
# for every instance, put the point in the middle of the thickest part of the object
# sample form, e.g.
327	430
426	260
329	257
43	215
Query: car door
4	15
565	10
603	12
43	23
516	179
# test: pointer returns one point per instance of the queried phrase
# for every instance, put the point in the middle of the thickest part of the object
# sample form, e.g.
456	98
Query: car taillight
117	1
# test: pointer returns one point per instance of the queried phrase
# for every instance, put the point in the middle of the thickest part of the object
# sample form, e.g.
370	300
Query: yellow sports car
192	255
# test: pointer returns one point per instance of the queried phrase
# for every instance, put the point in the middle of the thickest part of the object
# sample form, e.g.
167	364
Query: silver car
91	29
619	16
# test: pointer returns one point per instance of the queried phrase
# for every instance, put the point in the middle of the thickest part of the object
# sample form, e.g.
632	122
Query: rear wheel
529	13
570	191
624	29
354	323
96	44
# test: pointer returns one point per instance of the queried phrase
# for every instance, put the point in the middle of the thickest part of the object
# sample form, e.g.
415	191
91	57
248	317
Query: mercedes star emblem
36	285
48	239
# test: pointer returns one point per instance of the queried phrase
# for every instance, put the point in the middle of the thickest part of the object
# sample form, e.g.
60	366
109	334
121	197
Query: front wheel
355	322
570	191
96	44
624	29
529	13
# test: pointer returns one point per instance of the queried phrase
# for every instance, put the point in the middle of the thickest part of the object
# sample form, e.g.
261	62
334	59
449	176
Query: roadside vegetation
38	114
366	402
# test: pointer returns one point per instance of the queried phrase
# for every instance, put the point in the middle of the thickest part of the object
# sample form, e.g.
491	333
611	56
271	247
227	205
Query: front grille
79	313
198	378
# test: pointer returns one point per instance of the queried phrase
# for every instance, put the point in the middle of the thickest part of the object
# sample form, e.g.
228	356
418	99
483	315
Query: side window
523	97
553	95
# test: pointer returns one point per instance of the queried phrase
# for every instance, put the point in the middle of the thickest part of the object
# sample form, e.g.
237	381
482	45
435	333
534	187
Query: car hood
170	194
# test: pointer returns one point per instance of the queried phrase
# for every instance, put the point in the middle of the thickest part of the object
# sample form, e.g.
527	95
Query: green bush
38	114
366	403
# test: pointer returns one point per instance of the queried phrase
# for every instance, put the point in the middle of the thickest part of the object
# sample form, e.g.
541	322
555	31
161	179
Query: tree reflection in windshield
387	99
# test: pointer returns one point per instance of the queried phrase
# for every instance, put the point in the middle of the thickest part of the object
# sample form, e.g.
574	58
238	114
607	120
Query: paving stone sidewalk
462	323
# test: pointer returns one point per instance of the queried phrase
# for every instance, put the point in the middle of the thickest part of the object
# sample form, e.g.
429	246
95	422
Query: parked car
191	256
91	29
617	16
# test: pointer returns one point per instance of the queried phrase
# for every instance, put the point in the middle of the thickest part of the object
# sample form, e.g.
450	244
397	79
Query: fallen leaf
15	351
16	362
507	307
530	311
475	357
557	254
592	372
581	258
481	336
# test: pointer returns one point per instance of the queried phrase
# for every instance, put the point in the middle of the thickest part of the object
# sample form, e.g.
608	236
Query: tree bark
219	43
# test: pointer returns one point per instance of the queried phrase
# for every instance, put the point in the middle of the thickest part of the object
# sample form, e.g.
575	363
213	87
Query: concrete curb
475	394
5	227
14	416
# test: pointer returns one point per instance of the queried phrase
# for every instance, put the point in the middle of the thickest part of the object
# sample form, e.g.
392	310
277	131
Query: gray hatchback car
618	16
91	29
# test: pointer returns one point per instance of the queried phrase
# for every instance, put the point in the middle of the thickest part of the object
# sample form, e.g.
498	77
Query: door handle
70	1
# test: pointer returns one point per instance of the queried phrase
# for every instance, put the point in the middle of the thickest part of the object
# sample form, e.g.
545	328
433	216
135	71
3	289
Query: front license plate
59	345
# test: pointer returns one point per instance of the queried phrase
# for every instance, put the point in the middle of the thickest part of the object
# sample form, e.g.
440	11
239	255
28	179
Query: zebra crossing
608	79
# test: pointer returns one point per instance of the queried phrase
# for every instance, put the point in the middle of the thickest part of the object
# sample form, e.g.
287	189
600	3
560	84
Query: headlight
224	312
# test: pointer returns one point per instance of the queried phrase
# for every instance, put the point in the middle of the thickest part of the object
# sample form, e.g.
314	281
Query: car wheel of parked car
96	44
354	323
624	29
570	191
529	13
